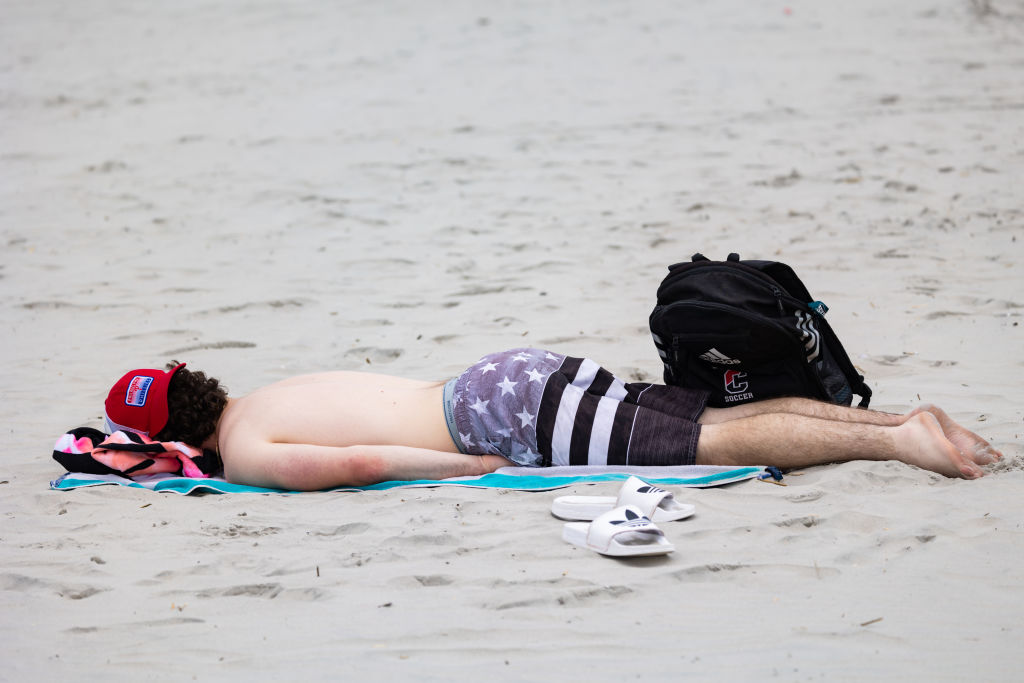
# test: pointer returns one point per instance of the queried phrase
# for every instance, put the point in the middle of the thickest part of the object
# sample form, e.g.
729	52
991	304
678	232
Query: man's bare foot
969	443
920	441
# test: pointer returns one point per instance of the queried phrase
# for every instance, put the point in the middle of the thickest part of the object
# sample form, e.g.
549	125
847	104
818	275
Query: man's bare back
341	409
287	432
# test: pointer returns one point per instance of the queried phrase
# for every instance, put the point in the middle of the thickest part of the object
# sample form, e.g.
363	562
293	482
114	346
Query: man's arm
305	467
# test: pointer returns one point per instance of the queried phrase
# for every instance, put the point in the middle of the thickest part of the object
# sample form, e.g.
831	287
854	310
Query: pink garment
135	455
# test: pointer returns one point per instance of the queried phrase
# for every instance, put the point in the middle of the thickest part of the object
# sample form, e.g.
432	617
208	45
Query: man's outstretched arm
305	467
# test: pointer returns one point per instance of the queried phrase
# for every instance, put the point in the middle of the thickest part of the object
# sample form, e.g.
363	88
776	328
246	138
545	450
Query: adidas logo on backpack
749	330
716	356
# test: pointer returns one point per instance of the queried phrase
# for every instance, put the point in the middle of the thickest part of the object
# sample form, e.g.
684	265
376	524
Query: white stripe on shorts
617	390
586	374
601	434
565	419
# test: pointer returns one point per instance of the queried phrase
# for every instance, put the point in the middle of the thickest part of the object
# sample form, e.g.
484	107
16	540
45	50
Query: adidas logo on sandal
632	520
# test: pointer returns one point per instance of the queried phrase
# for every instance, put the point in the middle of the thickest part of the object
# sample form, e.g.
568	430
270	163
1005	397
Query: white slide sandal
621	532
655	503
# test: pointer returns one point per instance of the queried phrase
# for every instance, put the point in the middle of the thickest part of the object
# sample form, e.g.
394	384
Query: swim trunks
538	408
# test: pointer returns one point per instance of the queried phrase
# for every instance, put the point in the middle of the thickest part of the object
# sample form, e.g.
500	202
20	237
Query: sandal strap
620	520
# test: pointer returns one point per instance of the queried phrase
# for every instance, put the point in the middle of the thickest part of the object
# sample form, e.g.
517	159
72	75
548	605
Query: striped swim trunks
538	408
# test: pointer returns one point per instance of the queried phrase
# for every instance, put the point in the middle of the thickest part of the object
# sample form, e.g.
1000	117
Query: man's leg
970	444
791	440
802	406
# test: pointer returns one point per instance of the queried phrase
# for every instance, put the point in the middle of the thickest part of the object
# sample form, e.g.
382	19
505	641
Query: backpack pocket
737	356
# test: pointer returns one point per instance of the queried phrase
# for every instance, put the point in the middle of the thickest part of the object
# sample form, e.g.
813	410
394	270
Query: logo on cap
138	388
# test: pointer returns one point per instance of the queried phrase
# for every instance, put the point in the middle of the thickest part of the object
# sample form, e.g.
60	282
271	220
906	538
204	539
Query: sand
264	189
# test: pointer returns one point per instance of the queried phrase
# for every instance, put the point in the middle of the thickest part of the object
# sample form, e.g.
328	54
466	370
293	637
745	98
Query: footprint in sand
732	572
574	597
19	583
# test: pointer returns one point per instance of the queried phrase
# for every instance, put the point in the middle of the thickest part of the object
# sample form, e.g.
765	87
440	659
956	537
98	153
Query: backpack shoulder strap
839	355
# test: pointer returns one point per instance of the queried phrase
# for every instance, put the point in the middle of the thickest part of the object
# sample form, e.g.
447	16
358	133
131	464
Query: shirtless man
527	407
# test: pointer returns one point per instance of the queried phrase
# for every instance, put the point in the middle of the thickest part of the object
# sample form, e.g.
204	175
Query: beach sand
265	189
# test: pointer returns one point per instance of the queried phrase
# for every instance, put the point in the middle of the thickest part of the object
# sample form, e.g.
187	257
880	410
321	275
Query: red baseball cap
138	402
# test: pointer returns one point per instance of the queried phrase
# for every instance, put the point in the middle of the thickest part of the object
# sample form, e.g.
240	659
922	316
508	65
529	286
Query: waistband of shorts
449	413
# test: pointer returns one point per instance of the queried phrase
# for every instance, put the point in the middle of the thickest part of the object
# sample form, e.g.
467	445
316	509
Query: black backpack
747	331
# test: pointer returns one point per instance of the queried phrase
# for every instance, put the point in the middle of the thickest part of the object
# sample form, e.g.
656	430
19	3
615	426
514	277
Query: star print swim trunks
494	404
538	408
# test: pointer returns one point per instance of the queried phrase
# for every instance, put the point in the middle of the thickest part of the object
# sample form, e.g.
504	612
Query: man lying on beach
525	407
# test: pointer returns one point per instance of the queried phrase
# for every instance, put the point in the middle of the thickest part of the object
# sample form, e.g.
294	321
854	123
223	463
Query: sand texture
264	189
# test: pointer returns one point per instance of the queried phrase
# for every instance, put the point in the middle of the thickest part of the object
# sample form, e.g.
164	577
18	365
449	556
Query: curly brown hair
194	404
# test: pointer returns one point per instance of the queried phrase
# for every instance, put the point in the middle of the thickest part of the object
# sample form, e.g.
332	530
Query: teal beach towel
511	478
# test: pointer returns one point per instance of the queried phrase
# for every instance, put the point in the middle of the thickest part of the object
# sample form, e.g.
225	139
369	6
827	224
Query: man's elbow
306	472
351	467
364	469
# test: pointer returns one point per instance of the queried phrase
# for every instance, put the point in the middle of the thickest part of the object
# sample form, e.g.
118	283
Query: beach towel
511	478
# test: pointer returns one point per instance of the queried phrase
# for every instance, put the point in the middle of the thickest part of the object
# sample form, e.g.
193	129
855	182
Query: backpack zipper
778	300
756	276
732	310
